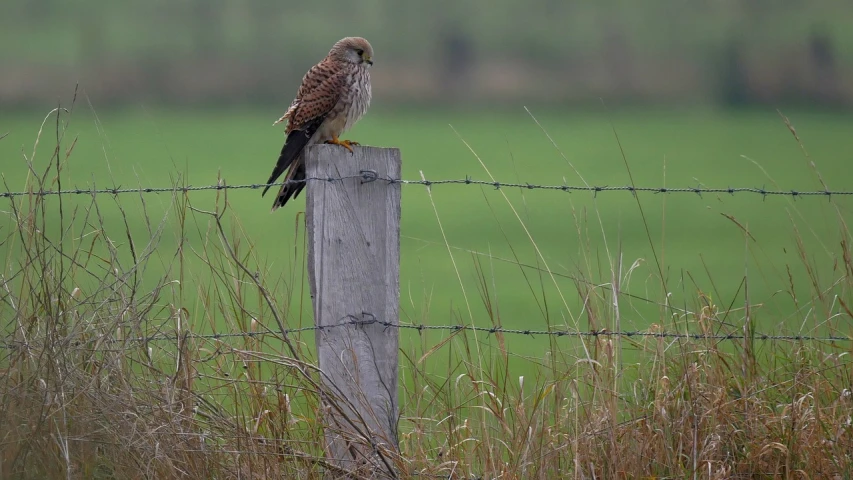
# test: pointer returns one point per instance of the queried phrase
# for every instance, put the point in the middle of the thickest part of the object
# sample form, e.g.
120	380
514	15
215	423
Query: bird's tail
291	157
294	183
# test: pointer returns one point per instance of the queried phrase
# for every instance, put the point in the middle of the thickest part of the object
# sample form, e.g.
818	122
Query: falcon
333	96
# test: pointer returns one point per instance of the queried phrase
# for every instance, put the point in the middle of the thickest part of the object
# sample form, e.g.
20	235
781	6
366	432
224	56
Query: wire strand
460	328
370	176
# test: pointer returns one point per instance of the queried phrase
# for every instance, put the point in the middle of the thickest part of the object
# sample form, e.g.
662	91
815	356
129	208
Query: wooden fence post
353	228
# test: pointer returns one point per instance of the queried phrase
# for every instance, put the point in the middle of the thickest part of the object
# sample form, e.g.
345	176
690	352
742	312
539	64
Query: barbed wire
353	321
370	176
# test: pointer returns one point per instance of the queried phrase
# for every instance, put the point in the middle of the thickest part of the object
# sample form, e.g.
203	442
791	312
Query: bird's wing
289	112
321	88
311	81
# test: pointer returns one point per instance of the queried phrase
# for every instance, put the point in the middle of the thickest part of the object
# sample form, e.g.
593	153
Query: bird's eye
360	52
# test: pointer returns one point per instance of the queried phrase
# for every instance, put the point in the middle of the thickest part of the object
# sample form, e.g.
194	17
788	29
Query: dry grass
82	397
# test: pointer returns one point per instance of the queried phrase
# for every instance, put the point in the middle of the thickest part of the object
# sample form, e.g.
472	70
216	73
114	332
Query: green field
83	277
696	247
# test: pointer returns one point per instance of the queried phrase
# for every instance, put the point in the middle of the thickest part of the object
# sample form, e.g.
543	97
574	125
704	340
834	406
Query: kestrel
334	94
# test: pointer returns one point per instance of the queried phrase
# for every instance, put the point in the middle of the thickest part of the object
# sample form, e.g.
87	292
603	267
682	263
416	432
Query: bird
333	96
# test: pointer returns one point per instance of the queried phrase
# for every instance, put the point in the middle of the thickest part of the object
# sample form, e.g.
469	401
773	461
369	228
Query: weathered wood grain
353	229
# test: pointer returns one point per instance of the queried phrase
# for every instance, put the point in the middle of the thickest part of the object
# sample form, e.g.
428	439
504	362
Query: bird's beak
368	60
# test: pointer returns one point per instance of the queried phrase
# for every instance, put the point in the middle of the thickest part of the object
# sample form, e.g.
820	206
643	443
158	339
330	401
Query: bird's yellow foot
348	144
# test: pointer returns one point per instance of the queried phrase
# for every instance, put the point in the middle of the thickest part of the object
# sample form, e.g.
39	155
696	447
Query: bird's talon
348	144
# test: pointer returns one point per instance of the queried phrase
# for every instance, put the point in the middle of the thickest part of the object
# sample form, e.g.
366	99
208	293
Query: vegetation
690	233
86	276
499	51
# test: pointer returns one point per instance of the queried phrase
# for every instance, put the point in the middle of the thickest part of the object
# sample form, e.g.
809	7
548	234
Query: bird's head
353	50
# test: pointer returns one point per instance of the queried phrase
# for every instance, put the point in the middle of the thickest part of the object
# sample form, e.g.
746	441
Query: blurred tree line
733	52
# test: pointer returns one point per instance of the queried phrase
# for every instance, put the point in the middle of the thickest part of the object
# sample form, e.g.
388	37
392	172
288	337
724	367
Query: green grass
75	396
540	32
693	242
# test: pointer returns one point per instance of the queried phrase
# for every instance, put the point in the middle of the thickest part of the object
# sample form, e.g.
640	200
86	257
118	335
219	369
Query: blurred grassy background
444	52
190	89
698	248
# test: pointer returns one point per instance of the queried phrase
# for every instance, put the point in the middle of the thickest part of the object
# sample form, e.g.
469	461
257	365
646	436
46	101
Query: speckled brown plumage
334	94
